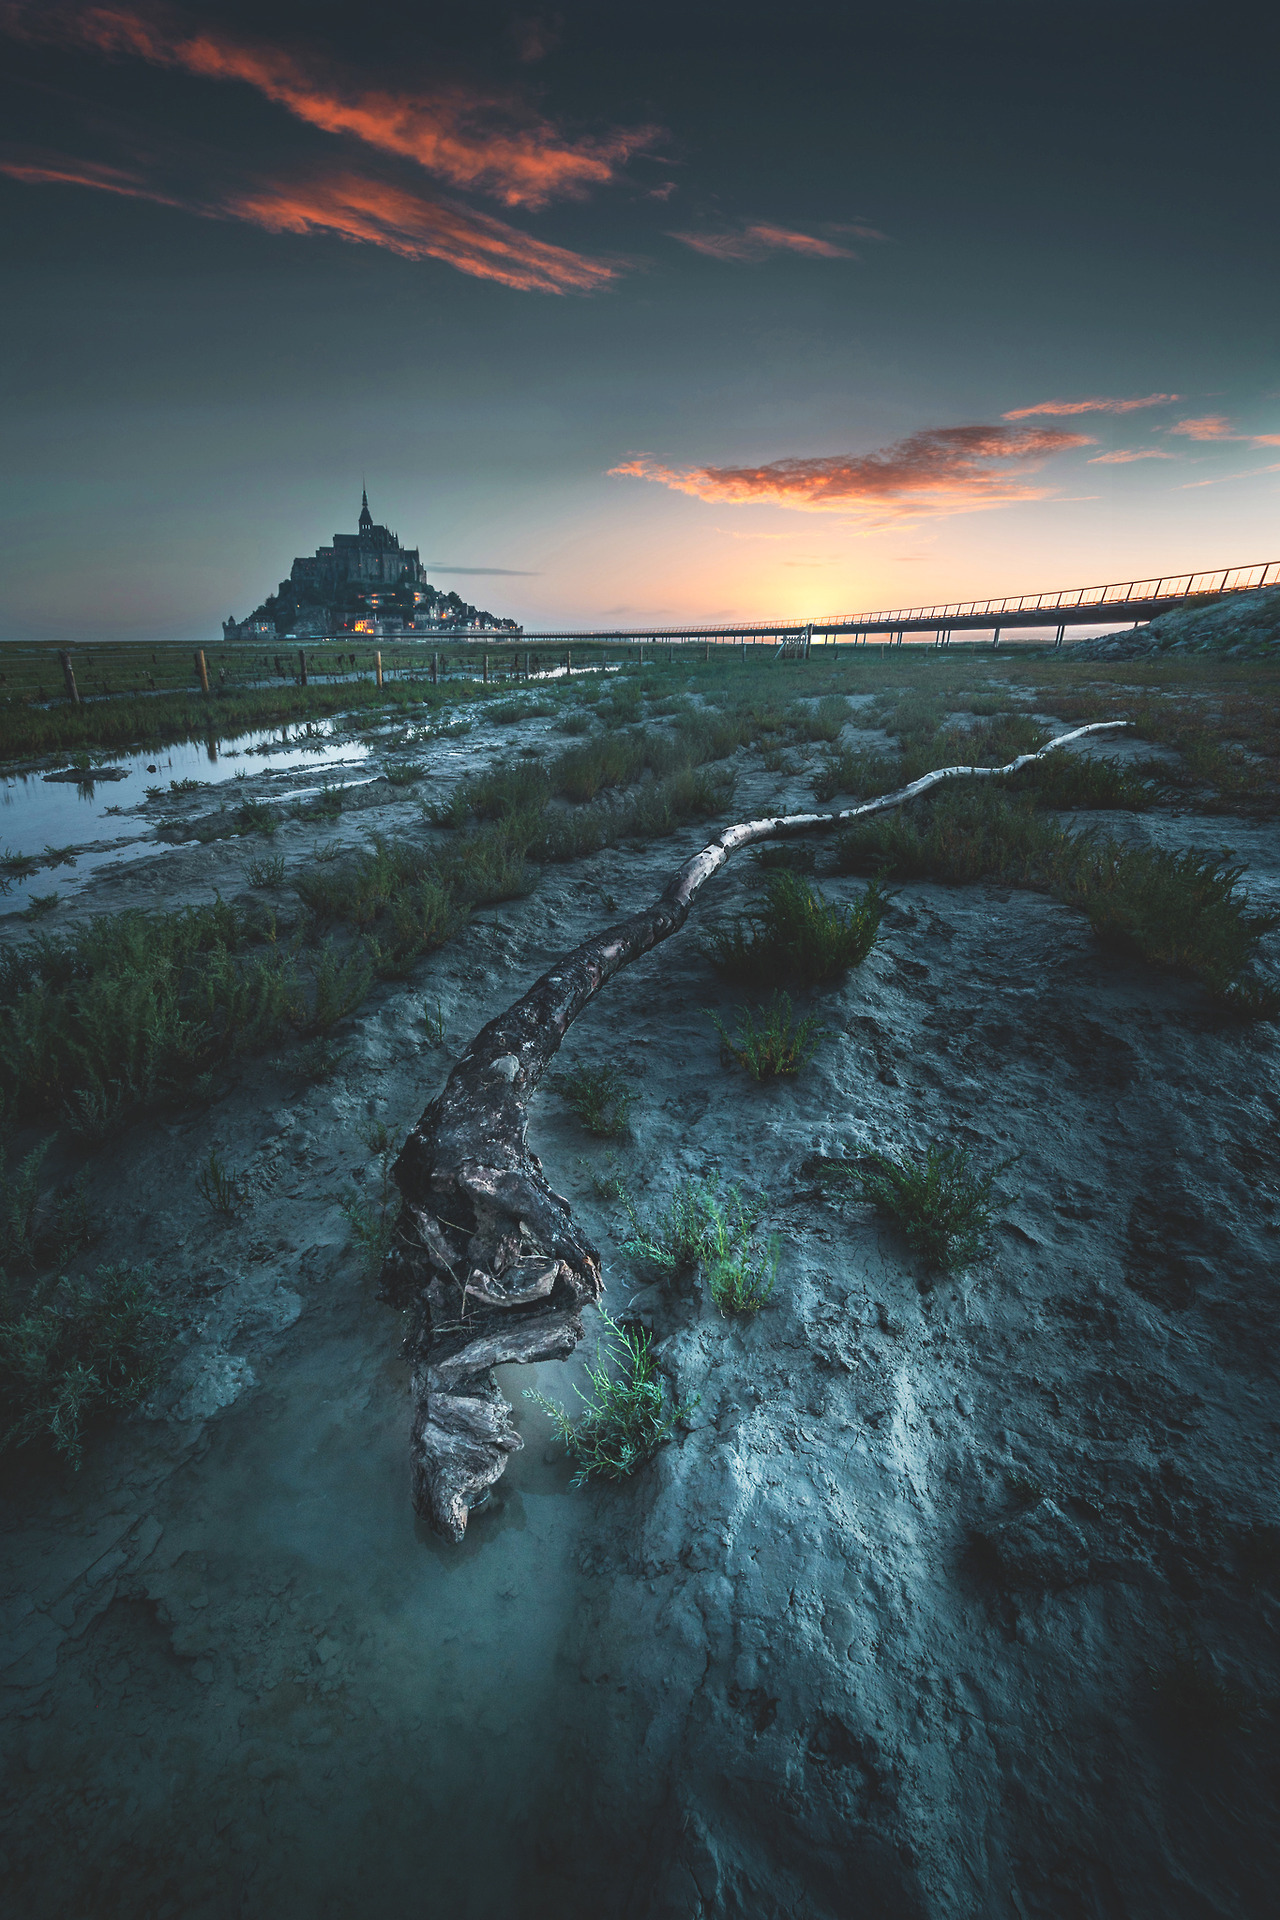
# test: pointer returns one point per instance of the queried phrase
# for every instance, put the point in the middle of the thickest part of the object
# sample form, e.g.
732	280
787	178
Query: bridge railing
1116	593
1111	598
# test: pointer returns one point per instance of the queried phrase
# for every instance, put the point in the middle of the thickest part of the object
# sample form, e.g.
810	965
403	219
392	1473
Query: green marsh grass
769	1042
371	1214
76	1351
220	1189
1186	912
39	1226
713	1229
627	1414
266	872
939	1200
601	1097
133	1008
795	937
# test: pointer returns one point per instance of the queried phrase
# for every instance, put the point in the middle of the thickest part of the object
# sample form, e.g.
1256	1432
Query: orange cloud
490	143
1123	455
1091	406
85	173
365	211
1210	426
761	237
370	212
942	470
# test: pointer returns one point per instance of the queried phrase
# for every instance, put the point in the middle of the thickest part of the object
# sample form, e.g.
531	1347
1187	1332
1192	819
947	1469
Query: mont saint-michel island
361	583
639	1122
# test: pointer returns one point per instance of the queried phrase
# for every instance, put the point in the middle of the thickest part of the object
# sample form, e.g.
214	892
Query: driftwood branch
487	1258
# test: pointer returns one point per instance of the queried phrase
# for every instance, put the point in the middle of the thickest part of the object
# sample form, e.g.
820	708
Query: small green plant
318	1059
19	866
405	774
575	724
602	1098
267	872
39	906
627	1414
744	1279
373	1218
768	1041
607	1182
433	1019
795	935
255	816
942	1204
221	1189
855	771
76	1351
714	1230
826	720
38	1228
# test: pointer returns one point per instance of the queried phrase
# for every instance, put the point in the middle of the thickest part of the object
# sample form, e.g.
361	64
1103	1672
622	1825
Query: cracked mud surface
951	1601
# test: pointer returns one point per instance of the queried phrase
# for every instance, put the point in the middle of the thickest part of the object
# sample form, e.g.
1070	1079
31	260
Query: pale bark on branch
487	1258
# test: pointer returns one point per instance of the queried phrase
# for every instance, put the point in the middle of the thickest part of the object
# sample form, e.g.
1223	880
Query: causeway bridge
1116	603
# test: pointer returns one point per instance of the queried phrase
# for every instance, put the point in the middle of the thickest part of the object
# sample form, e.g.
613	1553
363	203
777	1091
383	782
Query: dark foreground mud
954	1599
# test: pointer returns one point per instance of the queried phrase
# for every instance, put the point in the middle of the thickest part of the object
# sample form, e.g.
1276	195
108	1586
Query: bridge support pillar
1058	637
995	642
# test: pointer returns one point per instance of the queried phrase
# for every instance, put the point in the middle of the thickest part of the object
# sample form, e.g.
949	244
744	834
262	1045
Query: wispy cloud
365	210
1210	426
361	209
1122	456
754	240
484	141
1216	426
54	170
1092	406
508	573
943	470
1219	478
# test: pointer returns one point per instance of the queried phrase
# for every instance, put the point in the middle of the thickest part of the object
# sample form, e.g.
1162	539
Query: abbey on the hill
363	582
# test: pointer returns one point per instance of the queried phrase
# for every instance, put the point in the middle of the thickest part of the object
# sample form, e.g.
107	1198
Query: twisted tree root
486	1256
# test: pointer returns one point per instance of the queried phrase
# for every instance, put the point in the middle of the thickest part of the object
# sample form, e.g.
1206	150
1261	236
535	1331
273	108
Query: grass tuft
602	1098
37	1228
715	1231
627	1414
768	1041
939	1200
795	936
372	1217
220	1188
267	872
75	1352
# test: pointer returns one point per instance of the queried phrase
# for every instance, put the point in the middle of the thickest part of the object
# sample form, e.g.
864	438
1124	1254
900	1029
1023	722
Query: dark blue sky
791	271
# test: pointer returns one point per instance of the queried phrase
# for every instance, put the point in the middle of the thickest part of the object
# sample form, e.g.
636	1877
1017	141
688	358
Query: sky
654	314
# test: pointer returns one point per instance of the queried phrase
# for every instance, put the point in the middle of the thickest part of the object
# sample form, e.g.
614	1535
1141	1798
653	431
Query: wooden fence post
377	668
202	670
68	674
302	665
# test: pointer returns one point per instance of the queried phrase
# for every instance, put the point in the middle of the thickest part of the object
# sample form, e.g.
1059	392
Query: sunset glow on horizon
612	342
